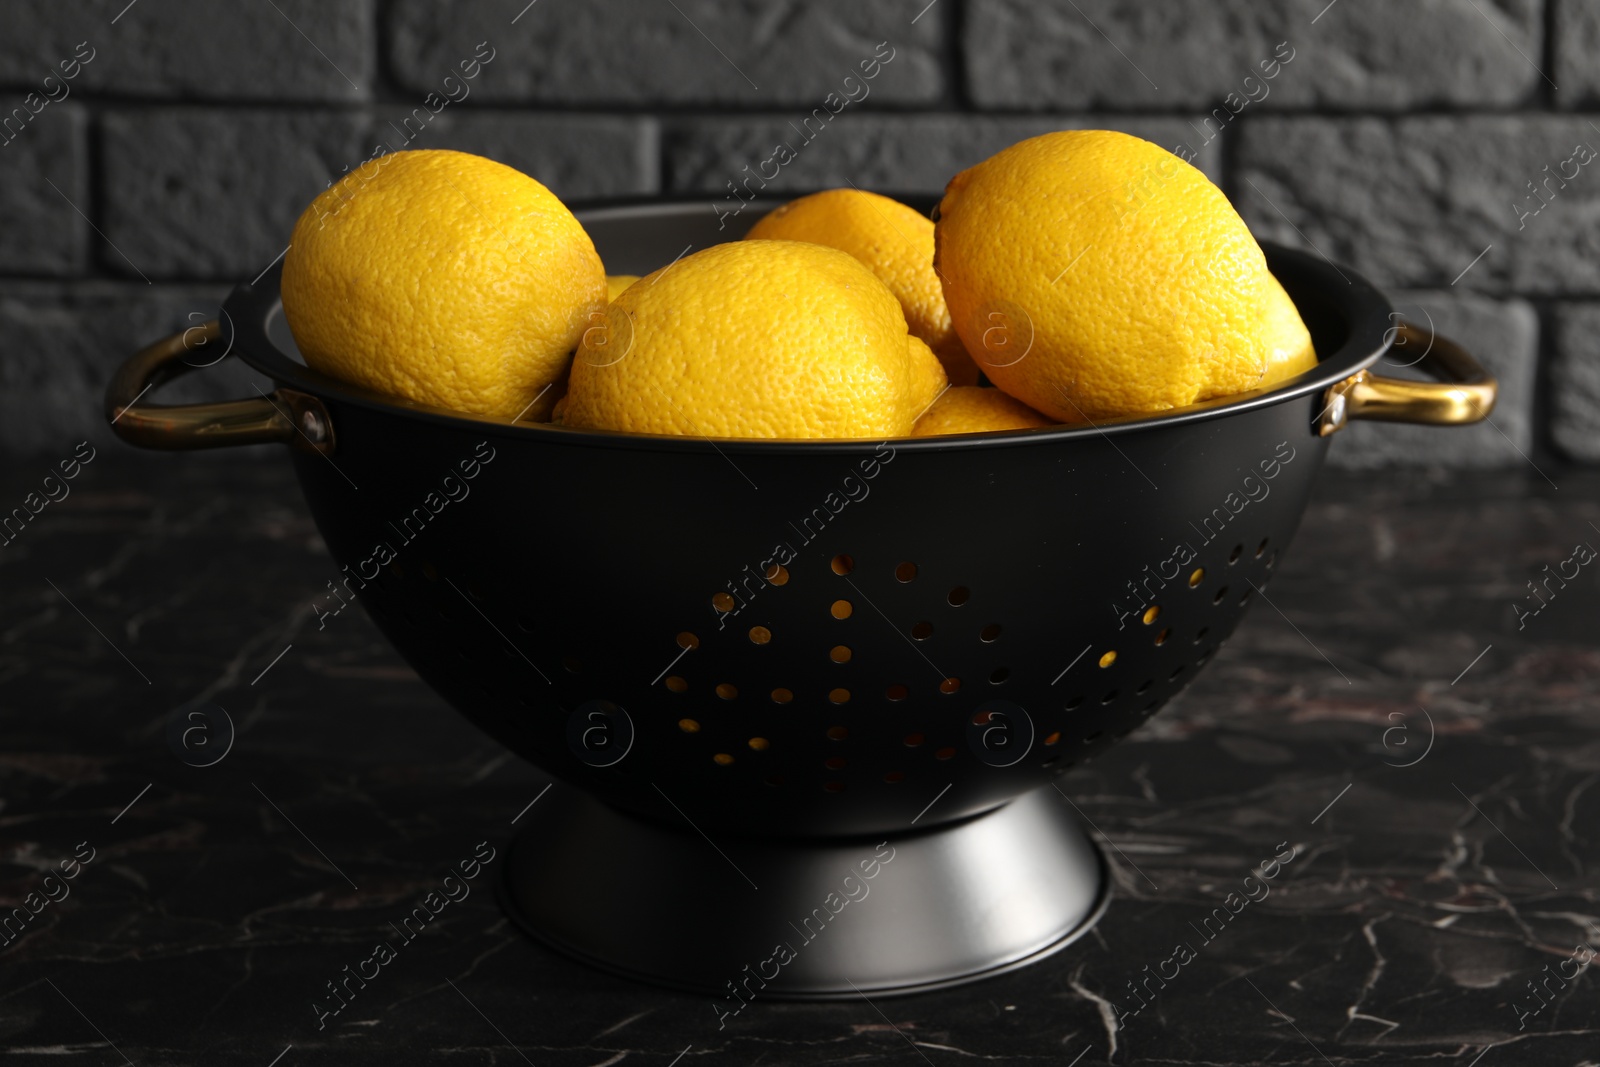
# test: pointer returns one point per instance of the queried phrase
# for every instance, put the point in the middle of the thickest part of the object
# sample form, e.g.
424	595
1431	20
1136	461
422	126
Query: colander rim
253	309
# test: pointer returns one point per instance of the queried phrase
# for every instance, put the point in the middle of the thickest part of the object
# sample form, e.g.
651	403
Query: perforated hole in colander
779	729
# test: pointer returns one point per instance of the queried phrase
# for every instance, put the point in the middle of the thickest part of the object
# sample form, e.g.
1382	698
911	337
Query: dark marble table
216	902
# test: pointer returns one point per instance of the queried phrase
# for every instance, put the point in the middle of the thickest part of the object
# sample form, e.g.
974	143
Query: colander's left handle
285	415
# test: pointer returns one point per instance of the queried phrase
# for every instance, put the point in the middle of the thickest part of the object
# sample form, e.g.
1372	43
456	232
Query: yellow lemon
547	408
973	409
1094	274
1286	343
616	283
775	339
444	278
551	407
928	378
895	242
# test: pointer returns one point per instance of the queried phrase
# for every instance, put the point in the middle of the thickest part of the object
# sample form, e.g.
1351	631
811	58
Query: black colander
754	665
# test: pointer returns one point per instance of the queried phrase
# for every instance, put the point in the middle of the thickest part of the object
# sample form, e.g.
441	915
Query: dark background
1432	885
1400	140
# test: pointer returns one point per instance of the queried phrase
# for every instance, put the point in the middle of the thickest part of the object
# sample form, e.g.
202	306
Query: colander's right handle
286	415
1464	392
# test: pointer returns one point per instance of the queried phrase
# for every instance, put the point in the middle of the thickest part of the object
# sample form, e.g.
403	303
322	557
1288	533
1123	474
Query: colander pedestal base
745	919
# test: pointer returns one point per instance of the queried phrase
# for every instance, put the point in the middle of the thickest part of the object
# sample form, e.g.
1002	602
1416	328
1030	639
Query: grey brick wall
1432	145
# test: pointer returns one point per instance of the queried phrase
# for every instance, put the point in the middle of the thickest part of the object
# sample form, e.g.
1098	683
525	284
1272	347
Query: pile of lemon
1073	277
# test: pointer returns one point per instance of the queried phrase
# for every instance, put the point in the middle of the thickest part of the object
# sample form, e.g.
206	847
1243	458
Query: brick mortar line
1589	106
1547	49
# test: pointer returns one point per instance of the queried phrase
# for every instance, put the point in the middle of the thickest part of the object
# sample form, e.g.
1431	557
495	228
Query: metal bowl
757	667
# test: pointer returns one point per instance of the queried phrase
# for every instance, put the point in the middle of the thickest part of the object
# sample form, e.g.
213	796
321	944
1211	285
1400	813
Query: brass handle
1464	392
286	415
